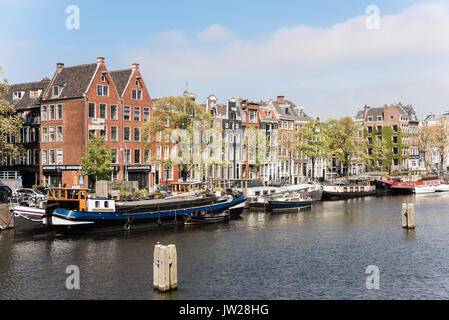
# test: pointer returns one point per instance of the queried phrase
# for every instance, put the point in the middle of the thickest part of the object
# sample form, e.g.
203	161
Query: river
318	253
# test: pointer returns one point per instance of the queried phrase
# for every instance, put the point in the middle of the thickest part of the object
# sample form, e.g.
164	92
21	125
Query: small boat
421	189
206	218
289	202
442	187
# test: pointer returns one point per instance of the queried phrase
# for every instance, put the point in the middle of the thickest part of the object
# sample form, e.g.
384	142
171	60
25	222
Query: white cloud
215	33
172	38
416	34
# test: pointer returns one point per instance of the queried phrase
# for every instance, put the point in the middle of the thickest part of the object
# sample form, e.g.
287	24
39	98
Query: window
370	129
91	110
137	83
127	134
114	156
56	91
146	114
103	112
137	134
36	157
114	133
166	156
146	156
59	159
370	140
102	78
18	95
102	91
136	113
59	112
395	128
158	152
395	139
136	94
59	134
103	134
44	156
44	134
127	156
370	119
44	113
51	113
114	112
252	115
51	134
91	134
379	118
127	113
52	157
395	150
136	156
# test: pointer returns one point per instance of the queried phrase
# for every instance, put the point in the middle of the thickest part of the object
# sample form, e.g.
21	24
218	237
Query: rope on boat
26	218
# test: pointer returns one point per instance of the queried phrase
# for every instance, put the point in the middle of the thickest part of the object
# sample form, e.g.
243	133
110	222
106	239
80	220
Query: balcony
30	120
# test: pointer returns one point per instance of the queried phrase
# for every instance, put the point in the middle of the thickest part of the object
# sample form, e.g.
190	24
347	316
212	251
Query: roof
26	101
121	79
74	81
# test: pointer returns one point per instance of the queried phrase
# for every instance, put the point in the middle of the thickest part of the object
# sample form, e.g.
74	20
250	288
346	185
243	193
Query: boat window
83	195
265	192
257	193
106	204
272	191
97	204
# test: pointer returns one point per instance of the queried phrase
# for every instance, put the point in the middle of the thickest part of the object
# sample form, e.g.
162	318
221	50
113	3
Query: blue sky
319	54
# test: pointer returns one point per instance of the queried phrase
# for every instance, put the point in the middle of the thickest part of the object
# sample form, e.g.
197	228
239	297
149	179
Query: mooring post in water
173	266
165	268
411	216
404	215
408	216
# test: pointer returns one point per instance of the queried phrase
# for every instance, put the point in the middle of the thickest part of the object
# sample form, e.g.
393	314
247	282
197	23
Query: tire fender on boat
127	226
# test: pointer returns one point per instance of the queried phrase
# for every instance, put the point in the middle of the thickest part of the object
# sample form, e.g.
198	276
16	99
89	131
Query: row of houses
61	113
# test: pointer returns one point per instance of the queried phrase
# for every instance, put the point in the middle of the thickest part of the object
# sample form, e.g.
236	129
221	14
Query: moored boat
444	187
347	190
206	218
291	202
421	189
77	212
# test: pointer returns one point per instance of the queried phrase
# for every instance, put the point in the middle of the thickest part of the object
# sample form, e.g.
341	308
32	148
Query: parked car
26	194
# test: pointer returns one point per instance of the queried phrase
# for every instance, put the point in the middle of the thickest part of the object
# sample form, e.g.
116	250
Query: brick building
79	101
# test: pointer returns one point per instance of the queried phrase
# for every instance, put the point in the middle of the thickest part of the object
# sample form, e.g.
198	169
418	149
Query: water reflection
318	253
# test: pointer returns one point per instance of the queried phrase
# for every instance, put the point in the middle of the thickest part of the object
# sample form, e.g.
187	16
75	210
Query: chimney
100	60
135	66
280	99
59	66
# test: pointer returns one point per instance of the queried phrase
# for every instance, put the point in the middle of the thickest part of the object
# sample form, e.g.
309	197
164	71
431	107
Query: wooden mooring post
165	268
408	216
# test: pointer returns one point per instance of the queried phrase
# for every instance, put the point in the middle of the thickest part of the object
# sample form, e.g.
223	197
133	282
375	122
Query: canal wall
6	220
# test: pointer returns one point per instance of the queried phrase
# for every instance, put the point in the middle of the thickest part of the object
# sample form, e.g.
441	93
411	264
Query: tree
172	113
96	164
346	141
424	144
312	141
440	139
10	124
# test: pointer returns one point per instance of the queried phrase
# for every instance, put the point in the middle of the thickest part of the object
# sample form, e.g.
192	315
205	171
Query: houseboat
409	186
72	210
348	189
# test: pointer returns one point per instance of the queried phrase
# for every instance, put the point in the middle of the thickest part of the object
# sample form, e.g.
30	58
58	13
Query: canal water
318	253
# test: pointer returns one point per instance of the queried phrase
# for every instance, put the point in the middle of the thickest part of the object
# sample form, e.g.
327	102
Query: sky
332	57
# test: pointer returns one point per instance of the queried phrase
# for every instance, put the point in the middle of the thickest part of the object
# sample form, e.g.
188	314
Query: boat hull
330	195
281	206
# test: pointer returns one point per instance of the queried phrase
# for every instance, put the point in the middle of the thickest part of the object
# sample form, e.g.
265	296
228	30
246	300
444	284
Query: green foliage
10	124
97	162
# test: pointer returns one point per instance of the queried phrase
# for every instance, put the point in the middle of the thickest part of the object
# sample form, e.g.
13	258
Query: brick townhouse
82	100
25	97
398	124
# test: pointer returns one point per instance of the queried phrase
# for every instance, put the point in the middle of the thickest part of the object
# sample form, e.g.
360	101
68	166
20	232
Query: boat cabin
77	199
184	187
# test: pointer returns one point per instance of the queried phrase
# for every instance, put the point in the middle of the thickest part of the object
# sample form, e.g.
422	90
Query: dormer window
17	95
56	91
35	93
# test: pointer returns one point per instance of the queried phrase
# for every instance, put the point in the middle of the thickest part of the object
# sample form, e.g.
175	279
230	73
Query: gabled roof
26	101
121	79
74	81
